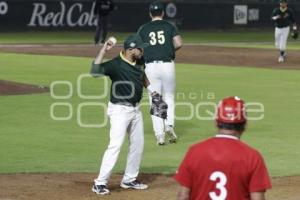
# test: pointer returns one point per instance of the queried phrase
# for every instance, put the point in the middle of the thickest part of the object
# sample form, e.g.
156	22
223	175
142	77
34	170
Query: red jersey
223	168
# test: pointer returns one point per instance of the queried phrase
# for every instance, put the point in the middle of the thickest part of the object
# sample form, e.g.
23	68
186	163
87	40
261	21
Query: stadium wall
26	15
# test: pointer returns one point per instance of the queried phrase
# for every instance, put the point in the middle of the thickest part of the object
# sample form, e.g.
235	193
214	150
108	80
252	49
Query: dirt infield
77	186
67	186
14	88
197	54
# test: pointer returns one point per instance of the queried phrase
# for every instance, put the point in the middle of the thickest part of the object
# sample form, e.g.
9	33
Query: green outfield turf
243	38
30	141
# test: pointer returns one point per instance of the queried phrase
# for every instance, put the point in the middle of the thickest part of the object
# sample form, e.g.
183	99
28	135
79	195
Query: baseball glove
159	107
295	34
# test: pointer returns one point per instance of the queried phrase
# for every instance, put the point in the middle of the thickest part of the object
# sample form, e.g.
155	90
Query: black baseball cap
134	42
156	6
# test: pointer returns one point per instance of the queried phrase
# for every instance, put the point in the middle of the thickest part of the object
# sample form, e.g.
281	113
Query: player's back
159	34
223	167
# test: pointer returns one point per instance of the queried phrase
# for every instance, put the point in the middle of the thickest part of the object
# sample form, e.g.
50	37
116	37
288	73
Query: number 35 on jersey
157	38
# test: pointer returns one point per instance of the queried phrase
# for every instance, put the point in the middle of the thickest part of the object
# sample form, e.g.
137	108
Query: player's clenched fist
110	43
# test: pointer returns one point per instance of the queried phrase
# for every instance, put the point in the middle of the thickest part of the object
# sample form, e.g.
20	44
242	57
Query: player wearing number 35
223	167
164	40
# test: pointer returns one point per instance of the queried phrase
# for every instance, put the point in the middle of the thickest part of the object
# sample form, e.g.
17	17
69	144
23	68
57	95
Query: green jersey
159	34
287	17
127	79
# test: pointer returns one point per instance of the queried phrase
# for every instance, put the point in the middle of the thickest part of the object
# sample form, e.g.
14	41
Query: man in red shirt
223	167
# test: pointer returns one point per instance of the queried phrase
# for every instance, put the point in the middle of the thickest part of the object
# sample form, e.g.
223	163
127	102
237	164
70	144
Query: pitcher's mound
77	186
14	88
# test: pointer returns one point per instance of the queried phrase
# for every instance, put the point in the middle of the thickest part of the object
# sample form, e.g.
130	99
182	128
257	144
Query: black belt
159	61
126	104
282	27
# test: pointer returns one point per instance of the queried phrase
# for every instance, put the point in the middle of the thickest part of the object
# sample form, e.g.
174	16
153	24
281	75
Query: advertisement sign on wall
240	14
56	15
71	16
253	14
3	8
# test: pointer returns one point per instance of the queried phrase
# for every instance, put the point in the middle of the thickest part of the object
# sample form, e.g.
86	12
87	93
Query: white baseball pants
281	37
161	76
123	119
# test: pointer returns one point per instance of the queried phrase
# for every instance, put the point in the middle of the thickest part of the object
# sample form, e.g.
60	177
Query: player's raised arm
108	45
97	69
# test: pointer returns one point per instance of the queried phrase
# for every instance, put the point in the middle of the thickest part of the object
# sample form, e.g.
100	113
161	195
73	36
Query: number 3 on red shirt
220	185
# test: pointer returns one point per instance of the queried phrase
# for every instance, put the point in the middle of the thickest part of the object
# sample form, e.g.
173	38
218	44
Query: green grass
243	38
30	141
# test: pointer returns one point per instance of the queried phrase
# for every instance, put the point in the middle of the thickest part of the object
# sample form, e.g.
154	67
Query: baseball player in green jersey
164	40
283	18
126	72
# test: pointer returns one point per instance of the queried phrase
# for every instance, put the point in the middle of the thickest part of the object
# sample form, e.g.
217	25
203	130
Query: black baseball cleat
134	185
100	189
172	141
171	133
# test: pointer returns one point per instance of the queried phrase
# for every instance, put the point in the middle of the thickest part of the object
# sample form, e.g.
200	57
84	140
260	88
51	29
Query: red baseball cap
231	110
